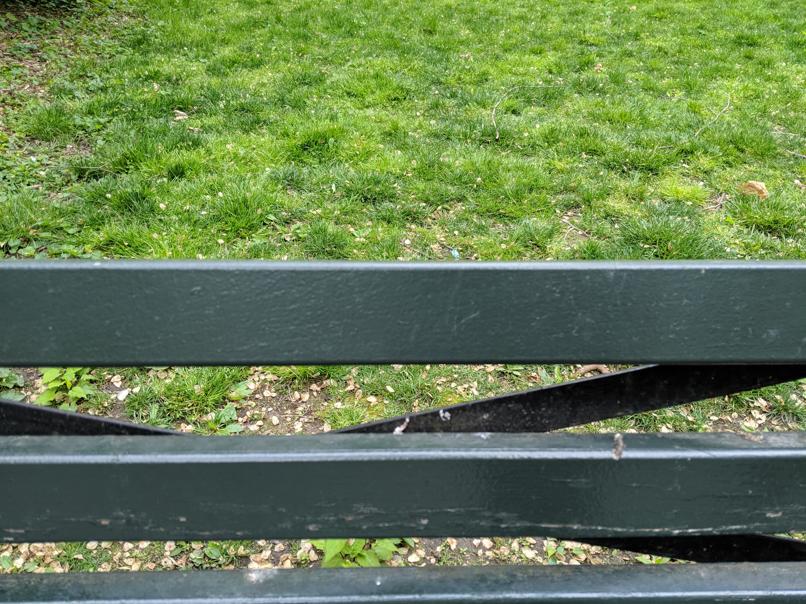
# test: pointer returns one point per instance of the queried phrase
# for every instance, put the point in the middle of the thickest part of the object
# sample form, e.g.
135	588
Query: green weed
66	386
187	396
359	552
10	381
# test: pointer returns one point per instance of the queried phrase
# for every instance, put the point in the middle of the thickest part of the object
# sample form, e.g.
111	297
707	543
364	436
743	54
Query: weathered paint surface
192	313
180	487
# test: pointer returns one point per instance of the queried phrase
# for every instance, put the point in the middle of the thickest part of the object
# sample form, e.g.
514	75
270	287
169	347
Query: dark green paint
669	584
175	487
190	313
181	487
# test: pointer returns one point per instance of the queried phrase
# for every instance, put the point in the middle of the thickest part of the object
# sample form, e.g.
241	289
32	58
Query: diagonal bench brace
544	409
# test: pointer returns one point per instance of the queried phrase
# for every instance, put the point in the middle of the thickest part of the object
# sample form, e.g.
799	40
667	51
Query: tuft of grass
79	558
325	240
19	214
242	212
534	235
188	394
667	238
773	216
679	189
49	123
297	376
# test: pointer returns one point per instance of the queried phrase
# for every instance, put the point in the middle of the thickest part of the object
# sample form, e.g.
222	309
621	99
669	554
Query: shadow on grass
18	11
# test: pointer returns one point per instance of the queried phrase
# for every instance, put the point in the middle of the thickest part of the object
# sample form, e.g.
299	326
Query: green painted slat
194	313
183	487
669	584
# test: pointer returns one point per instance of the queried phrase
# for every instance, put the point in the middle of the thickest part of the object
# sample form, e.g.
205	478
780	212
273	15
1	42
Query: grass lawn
398	130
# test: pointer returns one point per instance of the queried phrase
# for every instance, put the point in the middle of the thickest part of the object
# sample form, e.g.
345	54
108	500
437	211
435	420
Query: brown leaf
591	368
755	187
180	115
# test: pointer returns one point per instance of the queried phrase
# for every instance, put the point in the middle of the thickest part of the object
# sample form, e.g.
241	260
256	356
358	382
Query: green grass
386	130
382	130
184	396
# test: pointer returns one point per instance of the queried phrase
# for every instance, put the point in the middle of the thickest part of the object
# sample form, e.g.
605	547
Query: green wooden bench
694	330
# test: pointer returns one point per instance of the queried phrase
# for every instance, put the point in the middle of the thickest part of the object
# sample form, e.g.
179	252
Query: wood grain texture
200	313
368	485
667	584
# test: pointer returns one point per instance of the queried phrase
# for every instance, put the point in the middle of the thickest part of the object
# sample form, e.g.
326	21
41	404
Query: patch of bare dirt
277	409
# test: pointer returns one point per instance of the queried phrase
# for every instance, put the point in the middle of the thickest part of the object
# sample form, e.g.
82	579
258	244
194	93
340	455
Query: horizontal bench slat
184	487
228	313
678	584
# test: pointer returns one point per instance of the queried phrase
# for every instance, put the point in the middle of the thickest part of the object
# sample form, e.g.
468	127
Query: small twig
506	96
795	153
703	127
718	203
781	131
714	119
495	108
574	227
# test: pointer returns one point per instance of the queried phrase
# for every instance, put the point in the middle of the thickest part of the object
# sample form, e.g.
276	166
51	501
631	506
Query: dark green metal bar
191	313
669	584
544	409
181	487
578	402
712	548
24	418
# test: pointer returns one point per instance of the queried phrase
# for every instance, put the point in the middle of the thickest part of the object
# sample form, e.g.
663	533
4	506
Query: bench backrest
230	313
695	318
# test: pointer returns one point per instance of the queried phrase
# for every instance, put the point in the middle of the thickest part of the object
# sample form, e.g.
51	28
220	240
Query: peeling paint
618	446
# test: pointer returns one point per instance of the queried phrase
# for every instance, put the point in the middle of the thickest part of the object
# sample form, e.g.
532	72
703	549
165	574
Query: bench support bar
538	410
588	400
379	485
670	584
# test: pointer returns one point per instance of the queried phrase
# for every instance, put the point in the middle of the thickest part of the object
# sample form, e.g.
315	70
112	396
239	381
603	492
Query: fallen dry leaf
592	368
755	187
180	115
